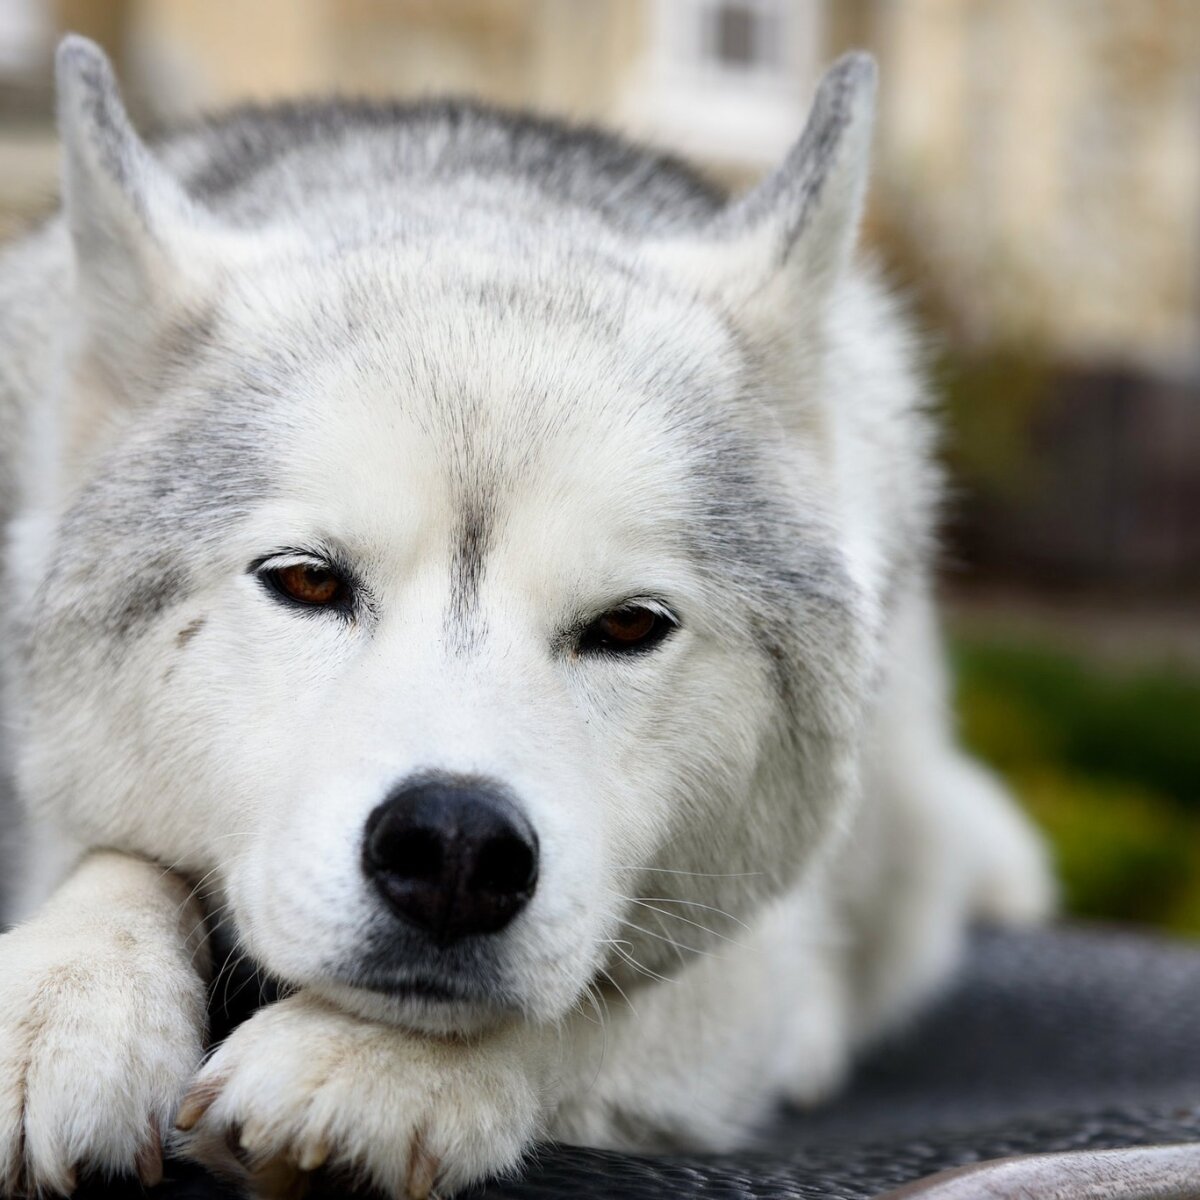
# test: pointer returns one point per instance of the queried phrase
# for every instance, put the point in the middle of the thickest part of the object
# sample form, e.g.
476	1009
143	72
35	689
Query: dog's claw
423	1169
314	1156
195	1104
252	1140
236	1147
280	1179
149	1160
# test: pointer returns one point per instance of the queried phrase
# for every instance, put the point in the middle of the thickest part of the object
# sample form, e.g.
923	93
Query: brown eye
630	628
629	625
308	583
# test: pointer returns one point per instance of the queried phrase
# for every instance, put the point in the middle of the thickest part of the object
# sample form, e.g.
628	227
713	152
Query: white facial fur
281	730
592	402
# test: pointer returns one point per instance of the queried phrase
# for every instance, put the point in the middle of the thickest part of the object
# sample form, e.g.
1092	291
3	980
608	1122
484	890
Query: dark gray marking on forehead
472	538
547	307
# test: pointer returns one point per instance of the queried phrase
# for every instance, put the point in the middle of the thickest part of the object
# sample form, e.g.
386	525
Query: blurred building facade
1038	186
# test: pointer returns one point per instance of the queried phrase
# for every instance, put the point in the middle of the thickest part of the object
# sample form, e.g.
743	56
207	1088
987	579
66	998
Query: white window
743	40
727	79
25	36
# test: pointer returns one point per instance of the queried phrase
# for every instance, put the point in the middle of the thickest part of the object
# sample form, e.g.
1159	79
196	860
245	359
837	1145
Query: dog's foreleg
699	1059
102	1020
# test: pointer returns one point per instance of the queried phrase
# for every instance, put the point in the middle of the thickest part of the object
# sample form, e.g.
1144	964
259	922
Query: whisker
256	976
697	874
233	960
194	890
691	904
688	921
594	994
619	947
667	933
663	938
588	991
620	992
209	930
214	922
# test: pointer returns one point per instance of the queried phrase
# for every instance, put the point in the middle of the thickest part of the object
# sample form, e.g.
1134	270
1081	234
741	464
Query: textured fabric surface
1064	1039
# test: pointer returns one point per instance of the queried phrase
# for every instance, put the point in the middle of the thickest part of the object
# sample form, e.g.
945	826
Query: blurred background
1037	196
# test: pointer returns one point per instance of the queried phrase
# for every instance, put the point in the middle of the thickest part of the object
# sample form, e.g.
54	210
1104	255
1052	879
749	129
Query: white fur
760	845
101	1023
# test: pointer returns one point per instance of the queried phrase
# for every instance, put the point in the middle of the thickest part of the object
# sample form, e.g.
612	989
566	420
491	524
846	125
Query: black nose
453	857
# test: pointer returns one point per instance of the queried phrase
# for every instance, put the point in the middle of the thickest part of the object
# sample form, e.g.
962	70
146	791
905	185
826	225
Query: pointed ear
799	225
129	218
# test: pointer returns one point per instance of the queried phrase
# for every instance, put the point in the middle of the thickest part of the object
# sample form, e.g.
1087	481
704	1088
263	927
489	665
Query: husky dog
489	571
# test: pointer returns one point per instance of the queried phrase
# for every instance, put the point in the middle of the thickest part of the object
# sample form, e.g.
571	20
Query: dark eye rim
268	569
591	640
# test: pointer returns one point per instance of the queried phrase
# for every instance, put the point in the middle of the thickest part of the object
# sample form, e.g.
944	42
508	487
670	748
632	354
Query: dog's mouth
383	983
413	973
418	987
438	1004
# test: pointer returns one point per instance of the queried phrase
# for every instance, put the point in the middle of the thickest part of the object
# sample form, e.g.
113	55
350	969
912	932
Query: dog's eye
630	628
310	584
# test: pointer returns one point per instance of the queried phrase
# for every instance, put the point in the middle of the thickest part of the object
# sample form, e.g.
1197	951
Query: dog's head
451	577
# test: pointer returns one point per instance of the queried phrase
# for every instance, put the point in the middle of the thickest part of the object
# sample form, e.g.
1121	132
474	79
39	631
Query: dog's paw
303	1085
100	1031
818	1074
813	1053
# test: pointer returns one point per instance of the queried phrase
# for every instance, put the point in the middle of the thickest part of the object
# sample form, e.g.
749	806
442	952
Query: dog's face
462	618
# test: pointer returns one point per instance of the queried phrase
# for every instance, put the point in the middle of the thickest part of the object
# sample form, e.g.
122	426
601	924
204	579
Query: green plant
1107	761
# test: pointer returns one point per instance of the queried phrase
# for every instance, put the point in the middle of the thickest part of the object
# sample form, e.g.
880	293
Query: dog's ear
798	227
133	227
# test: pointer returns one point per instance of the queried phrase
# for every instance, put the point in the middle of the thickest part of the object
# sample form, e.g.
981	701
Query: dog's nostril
453	857
406	851
505	864
416	855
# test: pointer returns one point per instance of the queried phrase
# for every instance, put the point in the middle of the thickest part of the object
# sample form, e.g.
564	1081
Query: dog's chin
424	1005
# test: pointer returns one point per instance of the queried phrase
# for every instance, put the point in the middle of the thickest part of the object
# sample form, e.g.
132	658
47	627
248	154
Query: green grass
1106	760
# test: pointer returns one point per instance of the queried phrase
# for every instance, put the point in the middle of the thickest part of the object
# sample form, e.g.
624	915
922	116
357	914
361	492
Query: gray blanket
1077	1038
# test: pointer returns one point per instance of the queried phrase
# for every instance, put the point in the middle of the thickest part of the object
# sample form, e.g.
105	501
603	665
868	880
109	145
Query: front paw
100	1031
302	1085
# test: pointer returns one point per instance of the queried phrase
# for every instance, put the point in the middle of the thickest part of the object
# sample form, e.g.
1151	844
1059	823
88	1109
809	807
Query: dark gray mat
1064	1039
